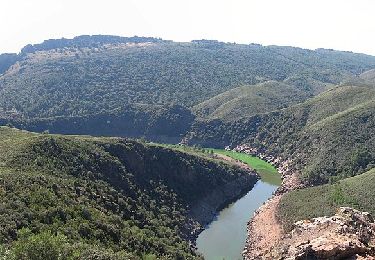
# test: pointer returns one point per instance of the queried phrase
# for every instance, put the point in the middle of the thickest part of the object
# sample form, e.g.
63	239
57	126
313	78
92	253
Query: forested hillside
162	90
102	198
328	137
246	101
87	77
113	198
7	60
167	124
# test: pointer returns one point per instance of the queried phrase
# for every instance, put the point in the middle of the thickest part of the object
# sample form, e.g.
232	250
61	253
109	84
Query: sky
335	24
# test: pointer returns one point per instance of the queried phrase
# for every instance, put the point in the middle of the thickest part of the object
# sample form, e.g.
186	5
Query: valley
113	148
107	190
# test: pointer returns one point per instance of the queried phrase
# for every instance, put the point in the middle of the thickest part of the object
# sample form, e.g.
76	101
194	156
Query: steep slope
7	60
106	197
246	101
328	136
108	75
368	75
166	124
357	192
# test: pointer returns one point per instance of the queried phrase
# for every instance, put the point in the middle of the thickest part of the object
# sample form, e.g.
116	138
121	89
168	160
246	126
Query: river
224	238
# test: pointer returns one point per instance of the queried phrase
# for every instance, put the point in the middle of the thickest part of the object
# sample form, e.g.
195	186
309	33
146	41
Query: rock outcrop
350	234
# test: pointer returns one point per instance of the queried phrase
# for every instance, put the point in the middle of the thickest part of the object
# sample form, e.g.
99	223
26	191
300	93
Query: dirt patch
263	229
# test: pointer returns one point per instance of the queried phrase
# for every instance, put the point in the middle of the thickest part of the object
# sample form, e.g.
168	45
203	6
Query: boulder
349	234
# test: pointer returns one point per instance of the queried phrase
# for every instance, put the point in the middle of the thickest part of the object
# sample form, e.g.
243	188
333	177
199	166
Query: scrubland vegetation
100	197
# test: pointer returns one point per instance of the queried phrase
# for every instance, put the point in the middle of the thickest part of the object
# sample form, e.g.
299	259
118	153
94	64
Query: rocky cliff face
350	234
205	210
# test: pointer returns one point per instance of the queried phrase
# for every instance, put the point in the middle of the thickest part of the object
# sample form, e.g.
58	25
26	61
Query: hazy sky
337	24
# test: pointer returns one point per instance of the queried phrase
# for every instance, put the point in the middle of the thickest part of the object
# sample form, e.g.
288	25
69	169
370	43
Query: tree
45	245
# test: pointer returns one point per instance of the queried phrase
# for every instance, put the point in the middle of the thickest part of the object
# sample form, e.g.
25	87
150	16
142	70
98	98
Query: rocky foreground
350	234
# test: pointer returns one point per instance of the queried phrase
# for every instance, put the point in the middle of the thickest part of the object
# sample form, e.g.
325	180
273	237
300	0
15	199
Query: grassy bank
267	172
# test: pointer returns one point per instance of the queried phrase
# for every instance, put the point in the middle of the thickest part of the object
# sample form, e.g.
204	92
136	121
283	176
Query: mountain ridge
101	76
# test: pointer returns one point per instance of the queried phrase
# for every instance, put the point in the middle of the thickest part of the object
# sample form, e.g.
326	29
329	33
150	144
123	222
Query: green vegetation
64	85
357	192
146	87
110	197
246	101
193	150
159	123
100	198
328	137
267	172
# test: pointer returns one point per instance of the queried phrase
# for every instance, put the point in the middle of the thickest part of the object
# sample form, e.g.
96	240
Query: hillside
357	192
165	124
115	198
368	75
330	136
246	101
87	77
105	198
7	60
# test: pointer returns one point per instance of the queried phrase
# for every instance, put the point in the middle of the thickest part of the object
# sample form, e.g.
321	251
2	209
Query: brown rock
350	234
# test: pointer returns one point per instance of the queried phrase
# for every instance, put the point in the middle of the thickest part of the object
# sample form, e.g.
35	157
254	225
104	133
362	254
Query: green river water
225	237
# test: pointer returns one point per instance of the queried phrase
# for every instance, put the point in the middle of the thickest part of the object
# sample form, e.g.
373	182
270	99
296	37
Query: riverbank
264	228
207	209
226	235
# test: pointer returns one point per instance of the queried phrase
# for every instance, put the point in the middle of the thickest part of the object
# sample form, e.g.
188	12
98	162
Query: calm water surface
225	237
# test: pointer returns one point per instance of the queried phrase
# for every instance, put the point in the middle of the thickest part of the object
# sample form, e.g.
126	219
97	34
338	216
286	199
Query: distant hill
246	101
116	198
368	75
106	198
166	124
294	102
102	75
84	41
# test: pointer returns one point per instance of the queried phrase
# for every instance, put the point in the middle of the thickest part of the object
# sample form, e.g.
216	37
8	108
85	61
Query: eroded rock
350	234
